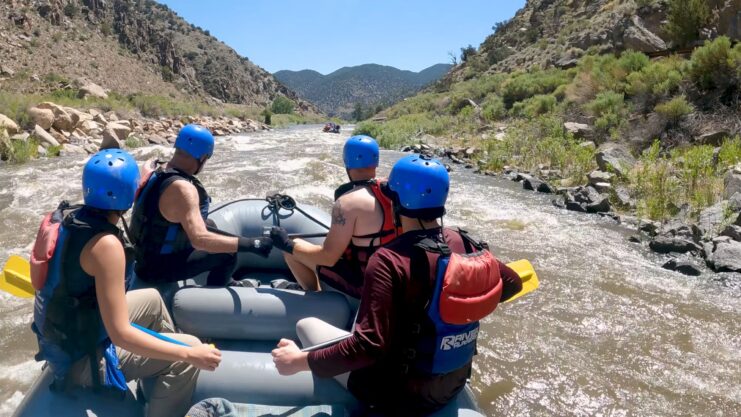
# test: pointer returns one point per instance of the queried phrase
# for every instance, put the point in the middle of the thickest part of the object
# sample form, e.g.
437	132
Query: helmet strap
201	162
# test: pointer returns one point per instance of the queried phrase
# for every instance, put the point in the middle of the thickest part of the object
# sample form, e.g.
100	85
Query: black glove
259	245
281	239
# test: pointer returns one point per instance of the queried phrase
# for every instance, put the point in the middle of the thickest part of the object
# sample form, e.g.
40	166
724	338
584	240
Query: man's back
368	212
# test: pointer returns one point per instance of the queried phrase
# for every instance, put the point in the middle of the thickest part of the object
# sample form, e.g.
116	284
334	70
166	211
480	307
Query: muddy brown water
609	333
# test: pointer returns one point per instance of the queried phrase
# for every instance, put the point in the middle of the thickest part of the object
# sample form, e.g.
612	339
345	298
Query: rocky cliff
558	32
127	46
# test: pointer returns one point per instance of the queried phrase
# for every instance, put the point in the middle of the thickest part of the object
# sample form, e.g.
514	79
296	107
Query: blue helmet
419	186
110	179
360	152
196	140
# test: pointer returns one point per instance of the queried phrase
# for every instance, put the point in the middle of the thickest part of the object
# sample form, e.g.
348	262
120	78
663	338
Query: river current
608	333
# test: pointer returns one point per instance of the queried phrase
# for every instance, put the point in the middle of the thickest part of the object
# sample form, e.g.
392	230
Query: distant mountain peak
369	85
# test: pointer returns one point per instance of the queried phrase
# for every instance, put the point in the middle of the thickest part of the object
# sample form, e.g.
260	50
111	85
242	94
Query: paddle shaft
267	233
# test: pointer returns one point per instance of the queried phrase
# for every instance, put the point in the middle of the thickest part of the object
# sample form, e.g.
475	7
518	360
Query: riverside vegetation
659	137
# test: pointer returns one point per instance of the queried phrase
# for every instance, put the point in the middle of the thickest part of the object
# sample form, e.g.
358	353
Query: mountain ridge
367	85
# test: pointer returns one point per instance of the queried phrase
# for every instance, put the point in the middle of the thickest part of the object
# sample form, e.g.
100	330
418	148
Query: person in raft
82	316
361	223
171	233
415	335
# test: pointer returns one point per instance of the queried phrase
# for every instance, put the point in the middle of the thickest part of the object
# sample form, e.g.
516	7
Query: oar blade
527	274
16	278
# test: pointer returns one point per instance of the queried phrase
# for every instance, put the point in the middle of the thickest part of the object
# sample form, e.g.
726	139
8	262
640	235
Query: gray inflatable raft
245	323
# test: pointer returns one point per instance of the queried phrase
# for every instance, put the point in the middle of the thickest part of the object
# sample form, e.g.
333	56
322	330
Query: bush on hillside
730	152
610	110
716	66
467	53
685	20
493	109
522	86
655	184
282	105
535	106
659	79
675	109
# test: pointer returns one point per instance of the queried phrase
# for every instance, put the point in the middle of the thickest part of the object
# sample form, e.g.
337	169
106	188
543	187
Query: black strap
470	244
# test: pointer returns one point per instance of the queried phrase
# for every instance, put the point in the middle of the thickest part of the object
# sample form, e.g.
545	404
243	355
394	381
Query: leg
312	331
341	277
304	274
168	385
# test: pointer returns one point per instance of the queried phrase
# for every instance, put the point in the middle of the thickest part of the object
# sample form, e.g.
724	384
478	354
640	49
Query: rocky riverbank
60	130
711	239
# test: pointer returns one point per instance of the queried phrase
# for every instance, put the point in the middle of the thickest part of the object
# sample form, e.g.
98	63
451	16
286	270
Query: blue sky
325	35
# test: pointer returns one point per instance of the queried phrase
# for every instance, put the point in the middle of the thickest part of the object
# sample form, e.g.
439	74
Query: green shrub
716	65
493	109
655	184
675	109
282	105
730	152
534	106
133	142
522	86
406	129
610	110
686	18
658	79
542	140
697	172
631	61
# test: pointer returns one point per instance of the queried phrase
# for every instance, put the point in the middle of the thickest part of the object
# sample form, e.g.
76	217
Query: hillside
582	98
369	85
127	47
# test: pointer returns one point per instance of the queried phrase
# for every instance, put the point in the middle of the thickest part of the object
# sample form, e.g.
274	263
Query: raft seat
256	314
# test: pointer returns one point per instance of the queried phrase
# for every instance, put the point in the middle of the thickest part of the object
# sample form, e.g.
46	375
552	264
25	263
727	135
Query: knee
305	327
149	297
189	340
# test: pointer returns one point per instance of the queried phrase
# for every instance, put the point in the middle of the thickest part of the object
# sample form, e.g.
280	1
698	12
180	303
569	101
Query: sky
325	35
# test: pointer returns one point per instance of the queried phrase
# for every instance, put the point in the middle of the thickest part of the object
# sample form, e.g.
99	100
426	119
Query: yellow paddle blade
16	278
527	274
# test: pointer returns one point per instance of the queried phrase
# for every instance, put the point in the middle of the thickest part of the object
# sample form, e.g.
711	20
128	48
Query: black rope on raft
276	202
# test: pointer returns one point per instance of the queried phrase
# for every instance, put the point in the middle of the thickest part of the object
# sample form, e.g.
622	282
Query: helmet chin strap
201	163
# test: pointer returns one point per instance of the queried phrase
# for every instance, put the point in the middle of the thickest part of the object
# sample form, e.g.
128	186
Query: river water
608	333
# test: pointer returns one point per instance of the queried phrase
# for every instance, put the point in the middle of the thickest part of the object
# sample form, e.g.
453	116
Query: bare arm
179	204
338	238
103	258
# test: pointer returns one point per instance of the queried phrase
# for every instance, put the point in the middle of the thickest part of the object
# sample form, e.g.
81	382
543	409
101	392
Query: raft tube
245	324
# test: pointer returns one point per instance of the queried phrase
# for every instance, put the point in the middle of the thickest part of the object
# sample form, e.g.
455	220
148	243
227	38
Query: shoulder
178	186
103	249
358	198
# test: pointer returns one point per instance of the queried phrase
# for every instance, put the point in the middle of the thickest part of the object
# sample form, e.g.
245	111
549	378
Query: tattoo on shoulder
338	217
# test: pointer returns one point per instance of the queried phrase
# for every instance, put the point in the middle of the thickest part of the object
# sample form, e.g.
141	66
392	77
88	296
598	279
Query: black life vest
358	256
155	238
465	289
67	320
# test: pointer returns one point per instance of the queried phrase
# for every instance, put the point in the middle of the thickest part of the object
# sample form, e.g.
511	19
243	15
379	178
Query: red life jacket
466	288
358	255
46	243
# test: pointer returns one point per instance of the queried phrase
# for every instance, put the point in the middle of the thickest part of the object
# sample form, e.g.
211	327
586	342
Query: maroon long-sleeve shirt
381	321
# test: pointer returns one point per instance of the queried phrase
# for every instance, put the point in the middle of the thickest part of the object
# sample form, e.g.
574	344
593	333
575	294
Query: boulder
62	119
69	149
6	71
44	136
23	137
121	131
579	130
589	145
649	227
616	158
100	119
595	177
726	256
536	184
685	267
602	187
732	182
669	244
9	125
638	38
623	198
594	201
89	126
92	90
733	231
679	228
43	117
714	137
711	219
110	140
734	202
